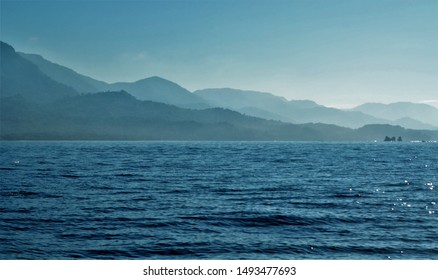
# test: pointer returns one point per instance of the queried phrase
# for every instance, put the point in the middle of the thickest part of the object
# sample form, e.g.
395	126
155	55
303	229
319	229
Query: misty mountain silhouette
252	103
64	75
36	104
120	116
161	90
266	105
152	89
20	77
404	113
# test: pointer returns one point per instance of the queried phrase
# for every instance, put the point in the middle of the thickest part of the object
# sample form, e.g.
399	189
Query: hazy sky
336	52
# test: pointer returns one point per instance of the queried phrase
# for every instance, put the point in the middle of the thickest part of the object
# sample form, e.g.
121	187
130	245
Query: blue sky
336	52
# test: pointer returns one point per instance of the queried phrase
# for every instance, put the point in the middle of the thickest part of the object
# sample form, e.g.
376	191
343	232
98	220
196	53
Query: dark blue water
218	200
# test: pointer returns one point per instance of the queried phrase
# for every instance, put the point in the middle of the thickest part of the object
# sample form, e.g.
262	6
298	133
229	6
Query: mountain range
44	100
403	113
20	76
152	89
253	103
266	105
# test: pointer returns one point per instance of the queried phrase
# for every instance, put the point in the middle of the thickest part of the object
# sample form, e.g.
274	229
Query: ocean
218	200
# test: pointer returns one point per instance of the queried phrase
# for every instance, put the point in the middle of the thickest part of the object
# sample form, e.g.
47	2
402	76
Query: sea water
218	200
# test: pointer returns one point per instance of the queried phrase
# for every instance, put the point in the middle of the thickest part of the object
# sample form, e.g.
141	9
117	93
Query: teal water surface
218	200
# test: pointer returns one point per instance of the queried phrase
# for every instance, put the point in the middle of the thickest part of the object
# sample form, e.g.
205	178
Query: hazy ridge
56	102
253	103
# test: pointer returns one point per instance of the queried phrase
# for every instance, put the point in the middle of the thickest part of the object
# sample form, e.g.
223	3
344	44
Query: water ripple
218	200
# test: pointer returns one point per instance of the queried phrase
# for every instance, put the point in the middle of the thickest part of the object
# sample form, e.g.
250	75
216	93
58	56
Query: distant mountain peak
6	48
65	75
153	78
158	89
419	112
38	86
156	80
